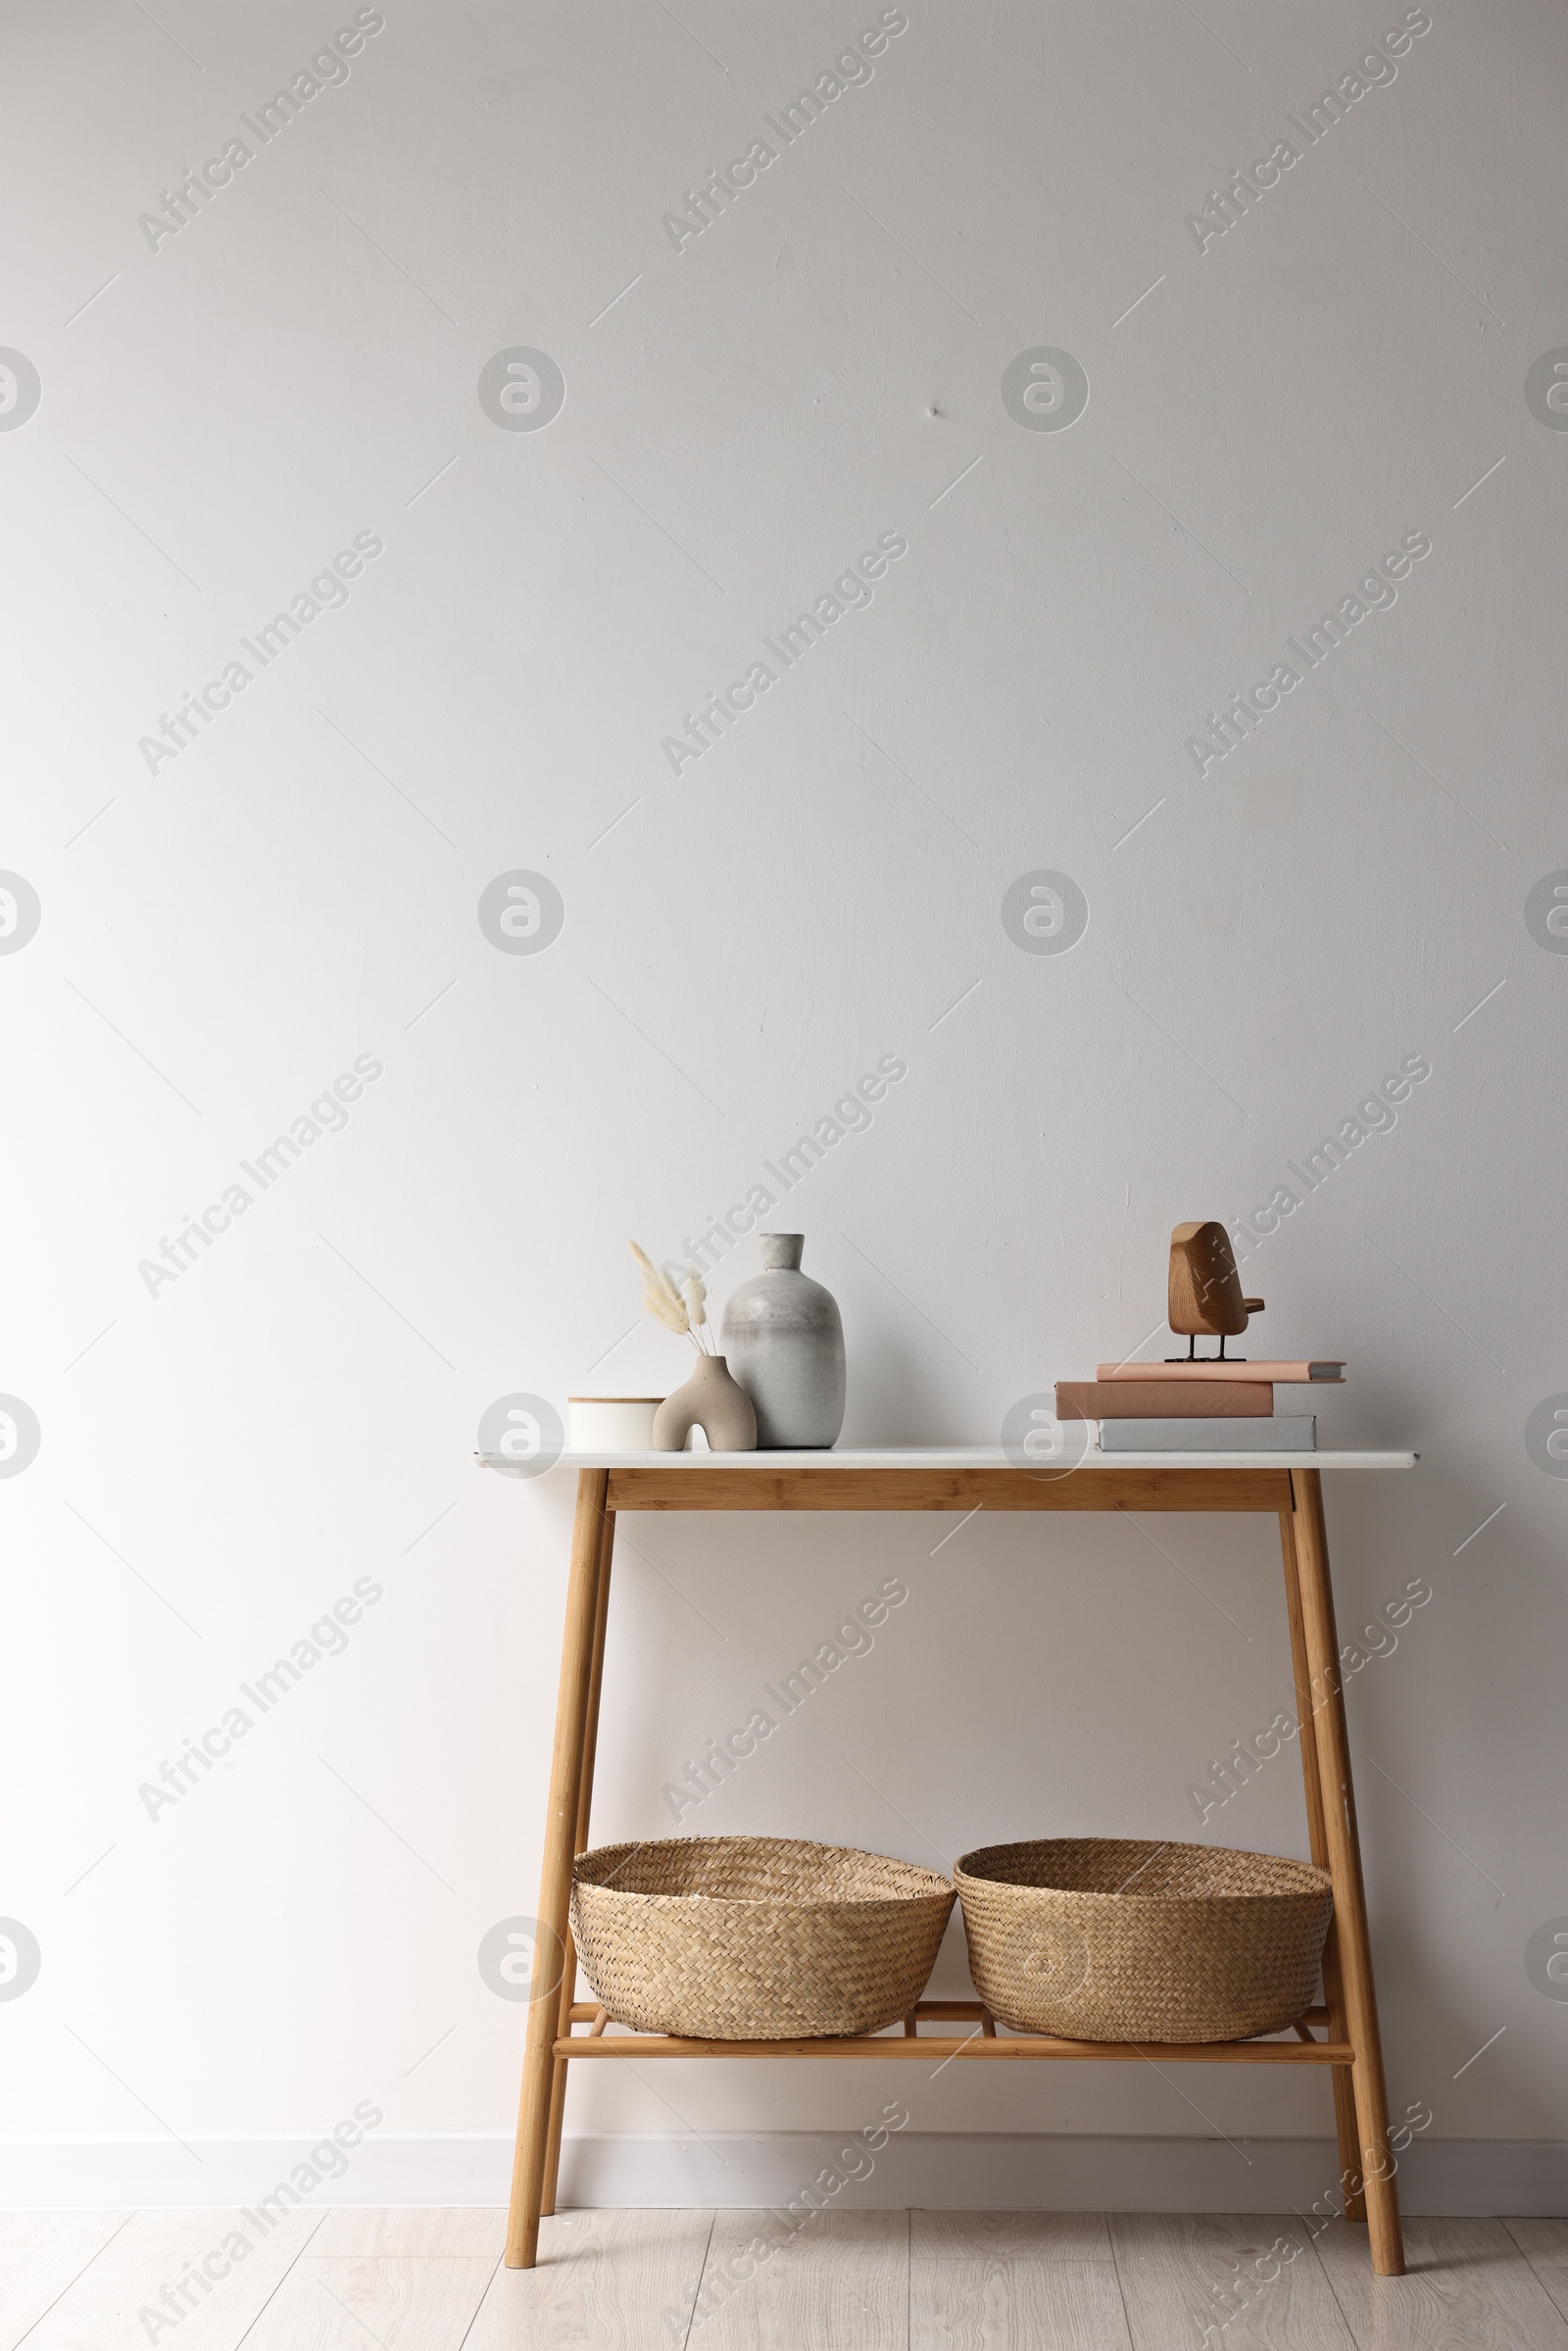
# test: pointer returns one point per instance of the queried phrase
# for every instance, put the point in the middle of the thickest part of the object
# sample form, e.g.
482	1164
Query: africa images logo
20	1959
522	389
1245	713
19	1435
1546	1436
1546	388
1044	389
717	190
521	912
327	1115
327	591
1545	912
851	592
20	389
19	913
1045	913
327	70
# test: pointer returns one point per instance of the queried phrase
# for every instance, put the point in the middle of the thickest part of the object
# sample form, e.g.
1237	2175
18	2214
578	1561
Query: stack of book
1205	1406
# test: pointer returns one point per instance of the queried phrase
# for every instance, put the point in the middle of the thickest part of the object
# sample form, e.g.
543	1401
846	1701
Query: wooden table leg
1327	1709
555	1887
585	1797
1333	1983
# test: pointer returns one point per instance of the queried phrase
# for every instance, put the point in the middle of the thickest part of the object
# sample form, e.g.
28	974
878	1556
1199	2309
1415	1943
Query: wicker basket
1107	1938
755	1938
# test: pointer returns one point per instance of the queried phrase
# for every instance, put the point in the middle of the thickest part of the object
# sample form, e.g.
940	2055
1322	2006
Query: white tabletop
952	1456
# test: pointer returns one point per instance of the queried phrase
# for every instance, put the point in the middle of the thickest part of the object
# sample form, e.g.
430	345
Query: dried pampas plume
686	1316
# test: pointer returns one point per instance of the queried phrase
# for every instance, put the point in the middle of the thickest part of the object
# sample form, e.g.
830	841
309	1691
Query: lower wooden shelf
984	2042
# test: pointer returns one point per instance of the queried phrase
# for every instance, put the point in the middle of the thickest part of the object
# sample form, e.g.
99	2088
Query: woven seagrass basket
1111	1938
755	1938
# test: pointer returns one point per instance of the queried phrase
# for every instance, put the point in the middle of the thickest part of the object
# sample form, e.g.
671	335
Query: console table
563	2030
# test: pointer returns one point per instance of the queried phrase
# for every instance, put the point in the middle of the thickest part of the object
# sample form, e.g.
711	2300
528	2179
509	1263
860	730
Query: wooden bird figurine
1205	1288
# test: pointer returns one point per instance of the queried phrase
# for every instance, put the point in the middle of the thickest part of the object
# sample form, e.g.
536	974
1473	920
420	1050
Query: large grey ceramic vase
784	1341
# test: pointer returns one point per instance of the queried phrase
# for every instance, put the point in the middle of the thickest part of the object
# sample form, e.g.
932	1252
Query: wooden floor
432	2280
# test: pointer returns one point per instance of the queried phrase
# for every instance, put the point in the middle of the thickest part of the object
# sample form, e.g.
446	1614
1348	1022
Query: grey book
1293	1432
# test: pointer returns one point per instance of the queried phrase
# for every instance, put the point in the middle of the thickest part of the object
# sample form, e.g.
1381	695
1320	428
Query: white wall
222	1460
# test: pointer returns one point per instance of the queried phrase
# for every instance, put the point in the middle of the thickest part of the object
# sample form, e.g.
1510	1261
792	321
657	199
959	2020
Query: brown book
1210	1368
1164	1400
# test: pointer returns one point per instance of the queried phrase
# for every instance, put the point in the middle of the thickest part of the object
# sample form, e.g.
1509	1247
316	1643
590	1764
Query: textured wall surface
536	449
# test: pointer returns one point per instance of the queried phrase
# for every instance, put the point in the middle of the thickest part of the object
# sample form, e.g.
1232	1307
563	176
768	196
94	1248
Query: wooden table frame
1352	2048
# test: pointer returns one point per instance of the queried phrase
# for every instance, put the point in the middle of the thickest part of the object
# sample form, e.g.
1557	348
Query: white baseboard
973	2172
1017	2172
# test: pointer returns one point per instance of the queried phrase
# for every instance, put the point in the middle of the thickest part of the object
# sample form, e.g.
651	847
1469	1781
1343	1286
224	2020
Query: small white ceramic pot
612	1424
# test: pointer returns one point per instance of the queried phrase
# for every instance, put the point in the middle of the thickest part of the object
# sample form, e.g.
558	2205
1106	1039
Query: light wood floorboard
1181	2272
605	2278
1544	2245
476	2228
42	2253
1467	2287
840	2278
1014	2282
1010	2236
1554	2283
352	2301
159	2250
416	2279
1016	2304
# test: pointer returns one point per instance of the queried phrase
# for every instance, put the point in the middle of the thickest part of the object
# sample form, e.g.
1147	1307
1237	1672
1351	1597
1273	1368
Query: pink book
1234	1367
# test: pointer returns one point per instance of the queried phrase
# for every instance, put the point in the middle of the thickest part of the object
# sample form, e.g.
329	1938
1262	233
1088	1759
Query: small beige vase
712	1401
